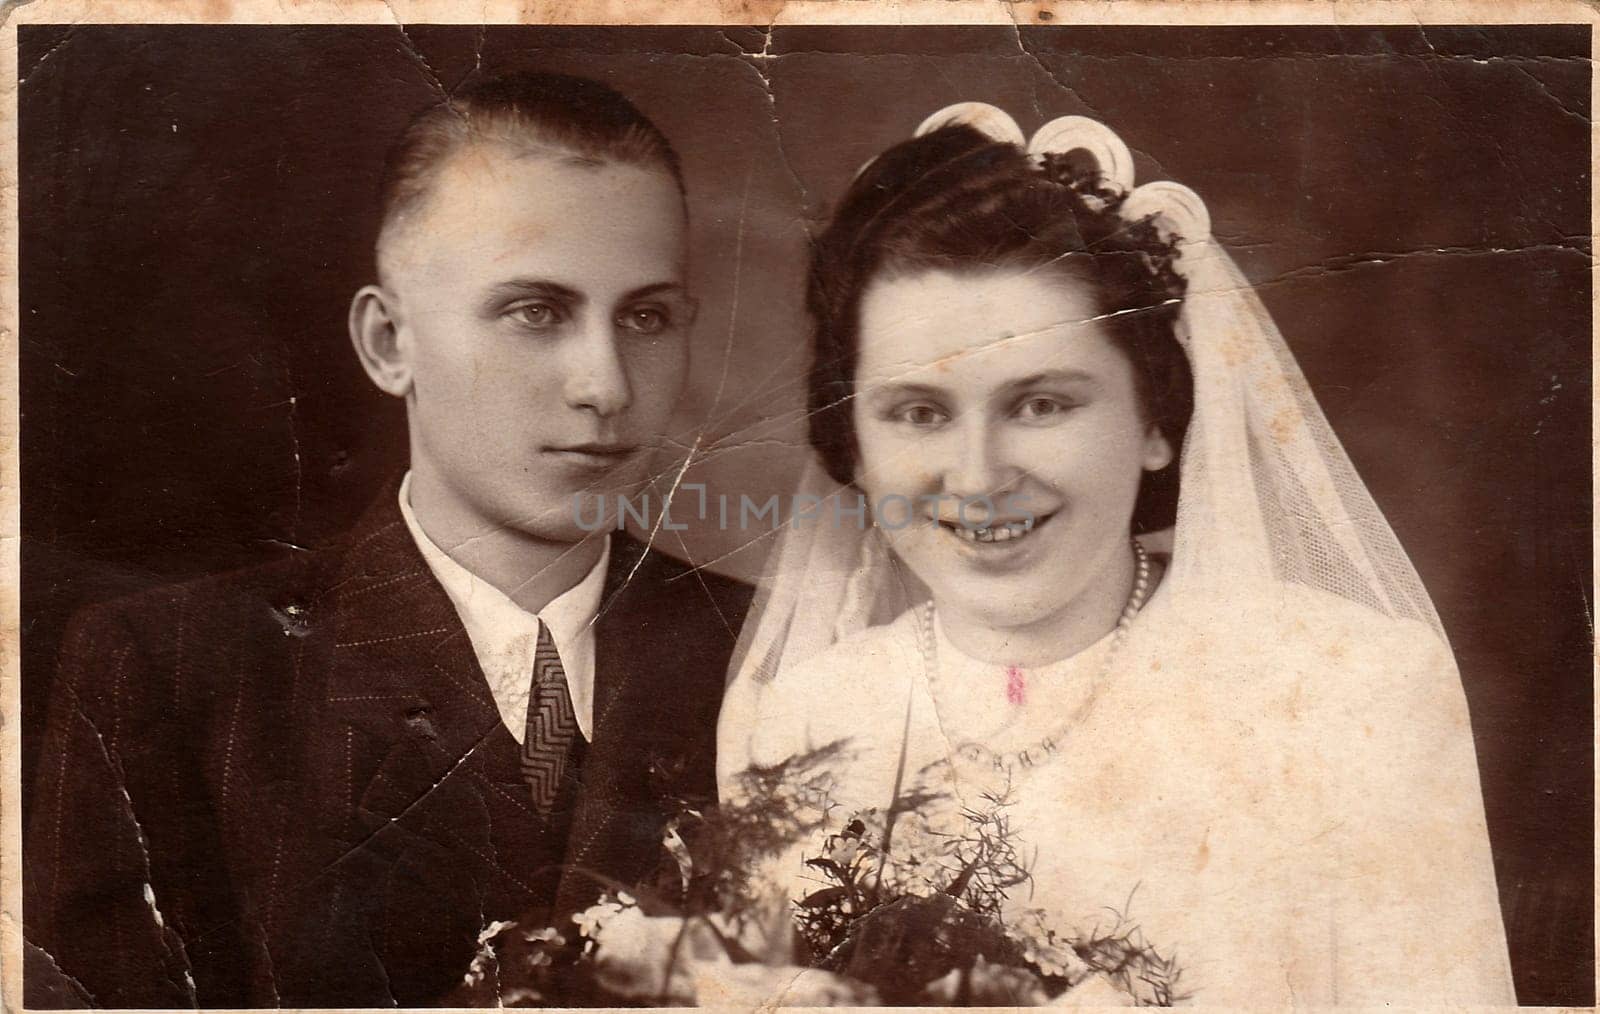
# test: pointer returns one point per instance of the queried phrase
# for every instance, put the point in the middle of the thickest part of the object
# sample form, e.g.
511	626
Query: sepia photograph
755	511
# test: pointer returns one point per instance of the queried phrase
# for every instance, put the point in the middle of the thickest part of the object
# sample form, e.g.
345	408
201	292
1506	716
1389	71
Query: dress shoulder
837	694
865	661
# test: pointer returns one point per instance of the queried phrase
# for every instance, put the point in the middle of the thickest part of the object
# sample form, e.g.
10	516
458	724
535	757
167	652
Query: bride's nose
977	466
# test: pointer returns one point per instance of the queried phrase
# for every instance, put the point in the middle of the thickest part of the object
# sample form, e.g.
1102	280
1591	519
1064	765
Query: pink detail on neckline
1016	685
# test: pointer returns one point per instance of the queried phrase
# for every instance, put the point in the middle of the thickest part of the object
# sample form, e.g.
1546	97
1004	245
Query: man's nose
596	379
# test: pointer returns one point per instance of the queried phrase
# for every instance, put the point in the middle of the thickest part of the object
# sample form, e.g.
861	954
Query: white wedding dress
1287	837
1275	780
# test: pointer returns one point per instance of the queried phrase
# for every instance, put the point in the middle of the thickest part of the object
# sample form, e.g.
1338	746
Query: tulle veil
1268	495
1369	871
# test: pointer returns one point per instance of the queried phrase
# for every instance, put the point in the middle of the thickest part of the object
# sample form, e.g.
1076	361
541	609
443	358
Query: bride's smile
1123	583
996	410
989	533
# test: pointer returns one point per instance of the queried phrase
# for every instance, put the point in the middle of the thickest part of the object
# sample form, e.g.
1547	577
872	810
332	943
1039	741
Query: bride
1117	568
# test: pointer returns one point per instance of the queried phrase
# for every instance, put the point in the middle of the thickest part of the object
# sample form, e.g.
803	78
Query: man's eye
920	415
535	314
644	320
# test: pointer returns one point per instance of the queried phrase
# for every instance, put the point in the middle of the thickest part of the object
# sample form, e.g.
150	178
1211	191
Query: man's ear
375	332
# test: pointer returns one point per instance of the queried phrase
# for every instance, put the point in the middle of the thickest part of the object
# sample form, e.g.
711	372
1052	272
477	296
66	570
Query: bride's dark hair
956	200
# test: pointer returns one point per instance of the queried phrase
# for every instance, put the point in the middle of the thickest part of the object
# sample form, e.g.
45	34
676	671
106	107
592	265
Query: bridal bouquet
893	912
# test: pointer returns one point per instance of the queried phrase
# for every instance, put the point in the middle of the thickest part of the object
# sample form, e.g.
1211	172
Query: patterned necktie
552	730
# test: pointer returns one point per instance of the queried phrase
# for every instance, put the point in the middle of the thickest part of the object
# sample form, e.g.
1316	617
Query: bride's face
1001	388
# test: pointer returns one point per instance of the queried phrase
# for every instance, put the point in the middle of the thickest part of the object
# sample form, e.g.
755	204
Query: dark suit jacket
290	786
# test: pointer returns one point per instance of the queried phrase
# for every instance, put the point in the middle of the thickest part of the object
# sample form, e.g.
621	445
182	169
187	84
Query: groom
316	783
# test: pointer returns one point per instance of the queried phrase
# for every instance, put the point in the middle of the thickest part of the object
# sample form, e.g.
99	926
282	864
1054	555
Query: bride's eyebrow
901	389
1053	377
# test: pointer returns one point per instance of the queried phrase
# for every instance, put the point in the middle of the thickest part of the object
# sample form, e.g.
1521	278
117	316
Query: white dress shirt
505	636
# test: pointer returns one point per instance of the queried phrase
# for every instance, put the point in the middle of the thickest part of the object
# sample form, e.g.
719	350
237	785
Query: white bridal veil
1267	493
1304	808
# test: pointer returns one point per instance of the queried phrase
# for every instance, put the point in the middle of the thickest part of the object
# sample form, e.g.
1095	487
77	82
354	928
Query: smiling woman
197	203
1245	735
955	406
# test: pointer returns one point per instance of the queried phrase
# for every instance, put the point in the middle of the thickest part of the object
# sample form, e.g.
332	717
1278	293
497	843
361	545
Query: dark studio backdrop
197	207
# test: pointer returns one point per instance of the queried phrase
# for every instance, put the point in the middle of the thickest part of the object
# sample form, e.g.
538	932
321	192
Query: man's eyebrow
524	288
521	288
656	289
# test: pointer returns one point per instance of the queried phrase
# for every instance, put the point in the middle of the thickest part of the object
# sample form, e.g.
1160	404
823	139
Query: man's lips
599	455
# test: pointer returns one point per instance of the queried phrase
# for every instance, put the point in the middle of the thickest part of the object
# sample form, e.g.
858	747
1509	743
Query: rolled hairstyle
576	118
956	200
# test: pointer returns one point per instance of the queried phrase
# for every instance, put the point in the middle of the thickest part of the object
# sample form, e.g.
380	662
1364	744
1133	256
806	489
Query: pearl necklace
1045	749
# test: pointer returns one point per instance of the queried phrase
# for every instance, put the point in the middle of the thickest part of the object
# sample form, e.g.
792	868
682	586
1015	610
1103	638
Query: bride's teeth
999	533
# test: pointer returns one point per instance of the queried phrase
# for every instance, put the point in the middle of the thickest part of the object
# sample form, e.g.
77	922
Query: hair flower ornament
1175	210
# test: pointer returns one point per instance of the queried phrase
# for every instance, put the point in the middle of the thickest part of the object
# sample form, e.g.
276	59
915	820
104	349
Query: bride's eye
920	416
1041	408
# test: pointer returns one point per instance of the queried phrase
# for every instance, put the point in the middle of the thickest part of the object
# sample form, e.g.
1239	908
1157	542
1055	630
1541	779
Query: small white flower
1043	947
593	919
492	930
548	935
845	851
478	970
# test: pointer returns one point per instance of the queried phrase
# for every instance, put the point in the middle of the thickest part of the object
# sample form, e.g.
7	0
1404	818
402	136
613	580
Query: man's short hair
582	119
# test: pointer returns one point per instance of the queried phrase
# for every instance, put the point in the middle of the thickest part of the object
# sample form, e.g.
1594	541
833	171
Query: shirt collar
502	632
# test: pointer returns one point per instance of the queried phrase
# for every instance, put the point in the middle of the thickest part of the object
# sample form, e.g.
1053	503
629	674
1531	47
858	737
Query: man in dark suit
316	783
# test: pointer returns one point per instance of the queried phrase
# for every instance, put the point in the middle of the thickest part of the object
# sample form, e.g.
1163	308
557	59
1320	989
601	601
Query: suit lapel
412	779
403	672
385	801
612	837
431	766
420	728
